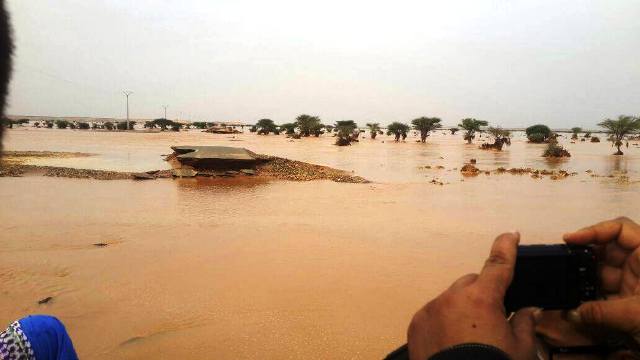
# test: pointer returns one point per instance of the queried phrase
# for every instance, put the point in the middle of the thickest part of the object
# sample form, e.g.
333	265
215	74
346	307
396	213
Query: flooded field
209	268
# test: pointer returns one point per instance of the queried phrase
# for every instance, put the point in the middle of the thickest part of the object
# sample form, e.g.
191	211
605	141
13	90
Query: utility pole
165	110
127	93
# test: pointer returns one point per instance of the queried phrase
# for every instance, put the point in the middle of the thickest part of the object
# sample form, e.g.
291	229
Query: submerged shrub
62	124
555	150
537	132
536	138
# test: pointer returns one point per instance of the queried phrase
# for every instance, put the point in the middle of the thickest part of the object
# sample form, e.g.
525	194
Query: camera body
552	277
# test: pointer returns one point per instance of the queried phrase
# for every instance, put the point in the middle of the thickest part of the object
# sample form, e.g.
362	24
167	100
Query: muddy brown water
208	268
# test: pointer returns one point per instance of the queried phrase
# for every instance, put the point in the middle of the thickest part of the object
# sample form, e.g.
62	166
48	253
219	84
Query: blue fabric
48	337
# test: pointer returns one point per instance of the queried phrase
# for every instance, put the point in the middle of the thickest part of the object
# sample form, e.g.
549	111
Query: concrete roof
213	152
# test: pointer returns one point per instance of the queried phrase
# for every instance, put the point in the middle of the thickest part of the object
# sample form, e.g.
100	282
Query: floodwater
227	269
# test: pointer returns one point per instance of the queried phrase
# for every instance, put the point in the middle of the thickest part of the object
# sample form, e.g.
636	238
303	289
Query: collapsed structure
216	157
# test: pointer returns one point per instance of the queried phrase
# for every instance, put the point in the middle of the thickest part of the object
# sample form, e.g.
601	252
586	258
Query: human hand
472	311
617	245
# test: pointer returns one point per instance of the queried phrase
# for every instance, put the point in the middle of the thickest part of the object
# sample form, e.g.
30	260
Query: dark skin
617	244
471	310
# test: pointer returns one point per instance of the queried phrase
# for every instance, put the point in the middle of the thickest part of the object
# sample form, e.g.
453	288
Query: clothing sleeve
471	351
459	352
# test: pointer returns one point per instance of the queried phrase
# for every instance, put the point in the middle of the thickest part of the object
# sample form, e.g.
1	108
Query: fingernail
537	315
516	233
574	316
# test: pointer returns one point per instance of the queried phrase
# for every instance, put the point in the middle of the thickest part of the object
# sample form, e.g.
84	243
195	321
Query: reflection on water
251	268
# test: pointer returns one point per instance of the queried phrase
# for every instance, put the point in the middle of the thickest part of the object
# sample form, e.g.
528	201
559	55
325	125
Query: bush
83	126
123	125
62	124
538	129
595	139
555	150
175	127
108	125
536	138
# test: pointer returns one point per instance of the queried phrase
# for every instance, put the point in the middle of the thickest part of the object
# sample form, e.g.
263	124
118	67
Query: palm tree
618	129
374	128
308	124
425	125
575	131
472	126
345	129
398	129
265	126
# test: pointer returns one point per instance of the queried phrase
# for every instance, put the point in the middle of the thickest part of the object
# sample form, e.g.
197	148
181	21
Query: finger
620	314
497	273
464	281
523	326
614	255
607	231
610	279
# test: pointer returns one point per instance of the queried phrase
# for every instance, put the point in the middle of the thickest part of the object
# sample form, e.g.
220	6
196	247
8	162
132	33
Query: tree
265	126
374	129
620	128
425	125
471	126
62	124
163	123
454	130
345	129
289	128
307	124
543	131
176	127
398	130
316	129
575	131
123	125
200	124
329	128
7	123
501	137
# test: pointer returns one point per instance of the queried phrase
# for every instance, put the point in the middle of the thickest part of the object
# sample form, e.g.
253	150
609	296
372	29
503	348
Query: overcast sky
513	63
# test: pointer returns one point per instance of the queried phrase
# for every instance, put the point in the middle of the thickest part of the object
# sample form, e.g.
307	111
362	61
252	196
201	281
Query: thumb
619	314
523	326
